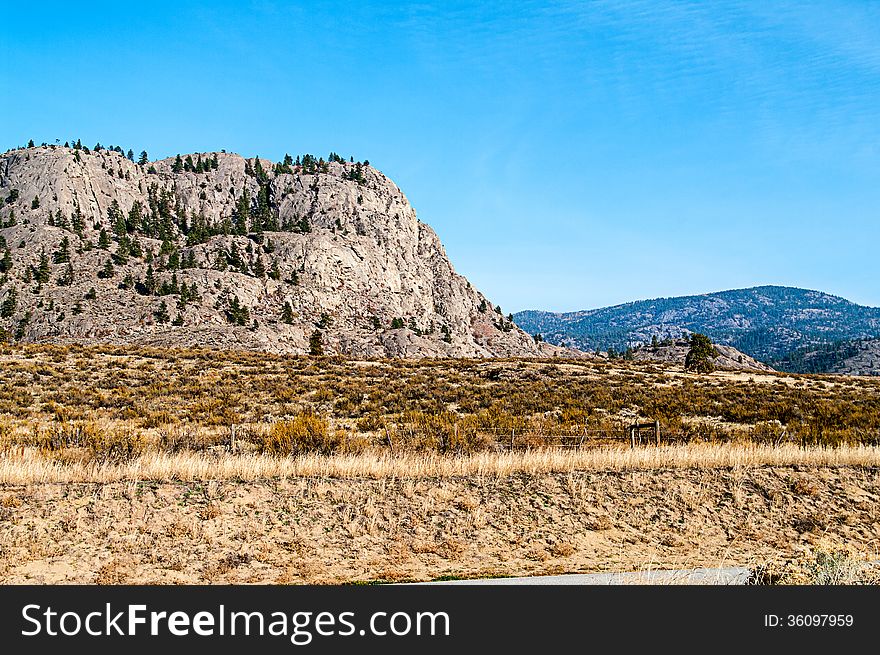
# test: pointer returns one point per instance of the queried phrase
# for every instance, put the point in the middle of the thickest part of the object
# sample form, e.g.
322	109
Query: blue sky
569	154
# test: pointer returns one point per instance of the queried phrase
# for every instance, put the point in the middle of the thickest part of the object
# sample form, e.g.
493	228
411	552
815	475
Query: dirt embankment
309	530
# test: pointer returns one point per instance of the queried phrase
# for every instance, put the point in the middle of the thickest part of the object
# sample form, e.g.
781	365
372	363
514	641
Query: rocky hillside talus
213	249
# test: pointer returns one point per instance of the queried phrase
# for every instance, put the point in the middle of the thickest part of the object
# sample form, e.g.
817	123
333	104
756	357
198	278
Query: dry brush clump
824	565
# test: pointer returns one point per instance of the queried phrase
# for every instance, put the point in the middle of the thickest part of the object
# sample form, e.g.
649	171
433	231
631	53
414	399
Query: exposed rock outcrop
337	243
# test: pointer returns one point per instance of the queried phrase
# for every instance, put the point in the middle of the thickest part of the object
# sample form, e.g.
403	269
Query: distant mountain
777	325
860	357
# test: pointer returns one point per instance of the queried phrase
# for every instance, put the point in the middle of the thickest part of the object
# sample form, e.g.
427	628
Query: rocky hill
859	357
675	351
767	323
212	249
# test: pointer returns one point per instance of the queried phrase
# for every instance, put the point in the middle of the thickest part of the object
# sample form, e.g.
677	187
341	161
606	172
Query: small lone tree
7	308
43	270
700	355
6	261
287	313
316	343
161	314
144	158
62	255
108	271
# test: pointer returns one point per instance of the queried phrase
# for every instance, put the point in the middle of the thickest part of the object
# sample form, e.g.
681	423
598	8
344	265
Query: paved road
725	576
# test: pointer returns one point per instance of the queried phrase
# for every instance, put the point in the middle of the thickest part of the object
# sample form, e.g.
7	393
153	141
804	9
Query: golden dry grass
29	466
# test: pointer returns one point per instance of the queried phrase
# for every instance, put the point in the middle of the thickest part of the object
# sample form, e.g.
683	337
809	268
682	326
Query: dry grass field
139	465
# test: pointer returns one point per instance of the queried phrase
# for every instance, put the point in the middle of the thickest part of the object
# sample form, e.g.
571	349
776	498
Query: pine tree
242	213
316	343
237	313
7	308
177	166
77	221
700	355
61	220
66	279
35	203
6	261
143	159
259	267
220	263
287	313
43	270
178	320
161	314
108	271
103	240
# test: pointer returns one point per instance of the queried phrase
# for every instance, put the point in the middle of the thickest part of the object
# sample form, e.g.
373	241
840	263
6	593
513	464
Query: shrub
304	434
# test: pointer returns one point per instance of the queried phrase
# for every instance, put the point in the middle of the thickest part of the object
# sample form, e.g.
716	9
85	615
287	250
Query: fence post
657	431
512	433
390	441
232	437
632	437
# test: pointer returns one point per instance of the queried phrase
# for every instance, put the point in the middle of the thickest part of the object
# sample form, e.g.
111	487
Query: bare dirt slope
349	530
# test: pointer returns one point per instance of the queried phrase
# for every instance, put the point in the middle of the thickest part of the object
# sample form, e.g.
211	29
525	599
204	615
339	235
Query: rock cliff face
215	250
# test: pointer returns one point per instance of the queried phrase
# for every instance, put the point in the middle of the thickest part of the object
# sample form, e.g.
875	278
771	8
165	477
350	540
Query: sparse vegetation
441	406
